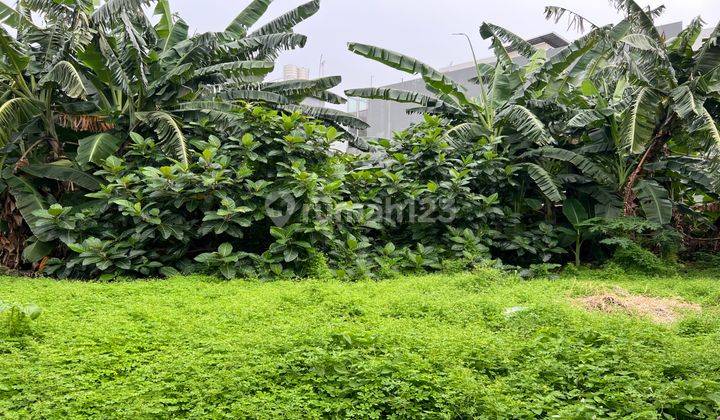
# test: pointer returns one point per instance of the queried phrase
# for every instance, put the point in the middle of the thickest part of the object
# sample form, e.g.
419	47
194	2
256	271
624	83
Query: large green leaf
178	34
330	115
585	165
164	25
269	43
575	20
111	10
446	89
27	198
393	59
683	43
506	82
170	30
642	19
565	58
468	132
544	181
97	148
13	113
709	83
119	77
395	95
575	212
709	126
501	55
133	51
586	118
64	171
253	96
526	124
324	96
287	21
302	87
524	48
9	16
67	78
169	132
641	119
241	67
435	81
52	9
248	17
13	56
297	90
697	170
223	113
37	250
708	57
685	102
640	41
655	201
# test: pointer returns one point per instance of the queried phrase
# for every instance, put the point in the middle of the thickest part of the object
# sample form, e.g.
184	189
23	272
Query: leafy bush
606	126
16	319
455	199
635	259
79	76
209	168
261	202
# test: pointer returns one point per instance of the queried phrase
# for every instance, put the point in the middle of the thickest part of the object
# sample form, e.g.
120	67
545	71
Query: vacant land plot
470	345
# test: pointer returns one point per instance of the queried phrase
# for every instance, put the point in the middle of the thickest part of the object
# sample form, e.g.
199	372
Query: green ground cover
434	346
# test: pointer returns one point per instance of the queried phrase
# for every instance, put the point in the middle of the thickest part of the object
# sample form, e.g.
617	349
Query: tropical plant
78	76
16	318
257	205
576	214
620	120
647	111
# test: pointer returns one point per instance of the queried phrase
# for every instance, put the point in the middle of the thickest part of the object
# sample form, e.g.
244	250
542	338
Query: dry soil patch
660	310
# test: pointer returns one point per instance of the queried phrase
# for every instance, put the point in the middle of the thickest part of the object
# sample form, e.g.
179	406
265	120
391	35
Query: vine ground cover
482	344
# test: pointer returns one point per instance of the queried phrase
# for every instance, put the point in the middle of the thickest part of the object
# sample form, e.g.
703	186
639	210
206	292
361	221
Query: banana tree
648	105
79	75
503	111
40	82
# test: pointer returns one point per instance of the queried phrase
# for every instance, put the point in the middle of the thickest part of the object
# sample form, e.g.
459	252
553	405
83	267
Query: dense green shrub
634	258
78	77
457	197
209	168
639	245
264	201
15	319
608	125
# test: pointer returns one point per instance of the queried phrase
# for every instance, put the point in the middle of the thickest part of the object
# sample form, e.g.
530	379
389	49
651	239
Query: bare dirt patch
659	310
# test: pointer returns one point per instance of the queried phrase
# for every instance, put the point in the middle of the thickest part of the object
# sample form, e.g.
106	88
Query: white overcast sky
419	28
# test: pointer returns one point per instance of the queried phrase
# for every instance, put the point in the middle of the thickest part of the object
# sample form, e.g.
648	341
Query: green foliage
629	232
15	319
635	259
439	346
614	124
259	204
79	78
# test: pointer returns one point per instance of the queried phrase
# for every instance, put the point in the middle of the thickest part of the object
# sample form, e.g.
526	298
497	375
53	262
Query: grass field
472	345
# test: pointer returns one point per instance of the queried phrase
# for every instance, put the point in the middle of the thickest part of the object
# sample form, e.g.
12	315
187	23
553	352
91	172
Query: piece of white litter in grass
515	309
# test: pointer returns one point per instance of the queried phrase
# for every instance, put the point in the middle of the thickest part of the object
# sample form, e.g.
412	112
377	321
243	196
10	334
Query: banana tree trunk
629	194
13	235
662	135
